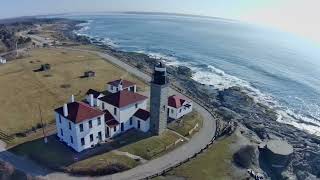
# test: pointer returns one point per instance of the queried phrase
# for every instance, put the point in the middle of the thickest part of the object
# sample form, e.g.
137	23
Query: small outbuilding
88	74
178	106
3	60
45	67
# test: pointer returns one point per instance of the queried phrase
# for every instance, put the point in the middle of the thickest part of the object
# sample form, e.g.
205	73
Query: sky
300	17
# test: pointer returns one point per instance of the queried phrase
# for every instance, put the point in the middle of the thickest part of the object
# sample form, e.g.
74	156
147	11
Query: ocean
276	68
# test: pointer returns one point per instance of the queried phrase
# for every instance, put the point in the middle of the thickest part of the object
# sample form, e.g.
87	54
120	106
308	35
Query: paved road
196	143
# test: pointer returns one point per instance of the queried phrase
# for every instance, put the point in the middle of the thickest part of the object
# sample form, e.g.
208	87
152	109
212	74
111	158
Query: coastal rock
235	103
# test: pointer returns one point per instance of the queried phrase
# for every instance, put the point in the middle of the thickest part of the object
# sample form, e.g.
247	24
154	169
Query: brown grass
22	89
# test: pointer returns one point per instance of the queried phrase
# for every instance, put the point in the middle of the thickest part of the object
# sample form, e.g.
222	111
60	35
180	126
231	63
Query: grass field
147	147
106	163
56	155
53	155
212	164
187	123
22	89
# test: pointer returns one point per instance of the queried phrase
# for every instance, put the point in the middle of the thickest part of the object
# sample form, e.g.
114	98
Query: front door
108	132
122	127
100	136
139	124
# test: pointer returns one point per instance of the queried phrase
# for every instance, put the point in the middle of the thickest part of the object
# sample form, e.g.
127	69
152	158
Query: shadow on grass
57	156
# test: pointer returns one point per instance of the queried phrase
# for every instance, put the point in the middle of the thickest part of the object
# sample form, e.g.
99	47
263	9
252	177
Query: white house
92	97
141	120
3	60
122	107
83	125
80	125
178	106
120	84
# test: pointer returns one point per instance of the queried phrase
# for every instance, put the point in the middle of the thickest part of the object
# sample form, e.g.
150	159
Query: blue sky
222	8
296	16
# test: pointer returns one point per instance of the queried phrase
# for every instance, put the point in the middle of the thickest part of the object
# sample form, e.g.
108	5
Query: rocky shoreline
233	104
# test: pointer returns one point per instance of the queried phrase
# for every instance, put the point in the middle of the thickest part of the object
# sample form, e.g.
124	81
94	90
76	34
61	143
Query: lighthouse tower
159	99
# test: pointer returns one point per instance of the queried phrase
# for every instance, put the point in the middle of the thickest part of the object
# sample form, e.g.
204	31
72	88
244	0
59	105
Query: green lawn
213	164
53	155
56	155
106	163
149	147
187	123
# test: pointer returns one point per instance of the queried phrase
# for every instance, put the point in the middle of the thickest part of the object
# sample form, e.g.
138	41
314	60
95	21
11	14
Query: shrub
245	157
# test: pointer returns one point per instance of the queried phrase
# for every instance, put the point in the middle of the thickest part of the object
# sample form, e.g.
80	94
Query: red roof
142	114
123	98
112	123
125	83
176	101
79	111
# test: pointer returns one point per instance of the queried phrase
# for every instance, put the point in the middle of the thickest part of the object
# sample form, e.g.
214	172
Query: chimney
72	98
120	85
65	110
91	100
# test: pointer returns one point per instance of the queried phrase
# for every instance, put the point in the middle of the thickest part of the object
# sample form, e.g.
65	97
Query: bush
111	169
39	125
245	157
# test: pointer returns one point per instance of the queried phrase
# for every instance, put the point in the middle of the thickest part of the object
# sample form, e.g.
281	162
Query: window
91	137
82	142
99	121
81	127
115	129
70	125
115	111
61	132
131	121
59	119
136	105
172	111
180	110
111	88
71	139
103	108
90	124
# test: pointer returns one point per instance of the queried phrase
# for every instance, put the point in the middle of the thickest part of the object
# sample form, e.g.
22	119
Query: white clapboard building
80	125
178	106
125	110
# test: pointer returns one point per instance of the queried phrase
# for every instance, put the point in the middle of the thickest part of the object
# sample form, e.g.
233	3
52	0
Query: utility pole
43	130
16	48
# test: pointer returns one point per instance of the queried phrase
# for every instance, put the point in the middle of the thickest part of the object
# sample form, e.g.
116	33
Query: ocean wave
218	79
161	56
